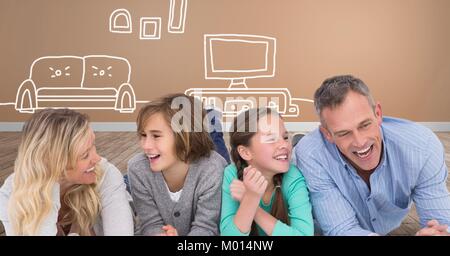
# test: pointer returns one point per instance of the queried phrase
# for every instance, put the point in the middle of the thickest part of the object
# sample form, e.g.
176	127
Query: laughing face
84	171
270	148
158	142
355	129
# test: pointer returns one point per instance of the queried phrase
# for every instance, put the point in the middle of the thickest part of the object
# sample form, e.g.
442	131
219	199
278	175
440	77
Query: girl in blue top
262	193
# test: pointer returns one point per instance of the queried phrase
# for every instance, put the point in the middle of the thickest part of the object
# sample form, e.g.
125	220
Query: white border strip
131	126
290	126
11	126
96	126
114	126
437	126
310	126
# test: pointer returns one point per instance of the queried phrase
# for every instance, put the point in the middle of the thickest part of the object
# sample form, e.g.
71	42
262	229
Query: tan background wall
400	48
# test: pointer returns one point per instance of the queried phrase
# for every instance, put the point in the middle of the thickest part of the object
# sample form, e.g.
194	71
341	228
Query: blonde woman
60	185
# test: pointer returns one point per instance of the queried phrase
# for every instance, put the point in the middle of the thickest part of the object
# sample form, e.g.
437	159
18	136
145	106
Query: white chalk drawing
238	97
120	21
58	72
152	24
264	46
77	82
177	16
102	72
231	101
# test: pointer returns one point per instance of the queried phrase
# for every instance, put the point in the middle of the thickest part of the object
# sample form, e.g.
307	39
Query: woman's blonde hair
51	143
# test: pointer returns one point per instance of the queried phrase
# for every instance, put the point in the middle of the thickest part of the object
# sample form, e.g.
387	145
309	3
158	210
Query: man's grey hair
333	91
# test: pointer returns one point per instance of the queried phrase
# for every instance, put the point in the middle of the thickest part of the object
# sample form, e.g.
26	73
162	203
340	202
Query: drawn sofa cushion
57	72
90	82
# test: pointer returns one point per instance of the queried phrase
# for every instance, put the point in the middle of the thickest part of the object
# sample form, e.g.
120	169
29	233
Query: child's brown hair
192	140
244	128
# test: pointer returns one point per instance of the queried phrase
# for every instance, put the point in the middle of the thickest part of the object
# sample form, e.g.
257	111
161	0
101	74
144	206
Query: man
363	171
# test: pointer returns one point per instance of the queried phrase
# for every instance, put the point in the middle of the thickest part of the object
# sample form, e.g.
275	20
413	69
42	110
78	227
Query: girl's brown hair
191	140
243	130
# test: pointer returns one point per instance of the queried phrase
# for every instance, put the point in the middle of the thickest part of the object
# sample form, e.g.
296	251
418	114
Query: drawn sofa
89	82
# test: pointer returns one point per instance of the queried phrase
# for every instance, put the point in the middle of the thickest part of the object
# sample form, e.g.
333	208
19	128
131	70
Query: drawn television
239	57
236	58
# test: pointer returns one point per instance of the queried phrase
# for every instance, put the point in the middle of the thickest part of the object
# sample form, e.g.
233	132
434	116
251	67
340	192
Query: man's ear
326	133
378	113
245	153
